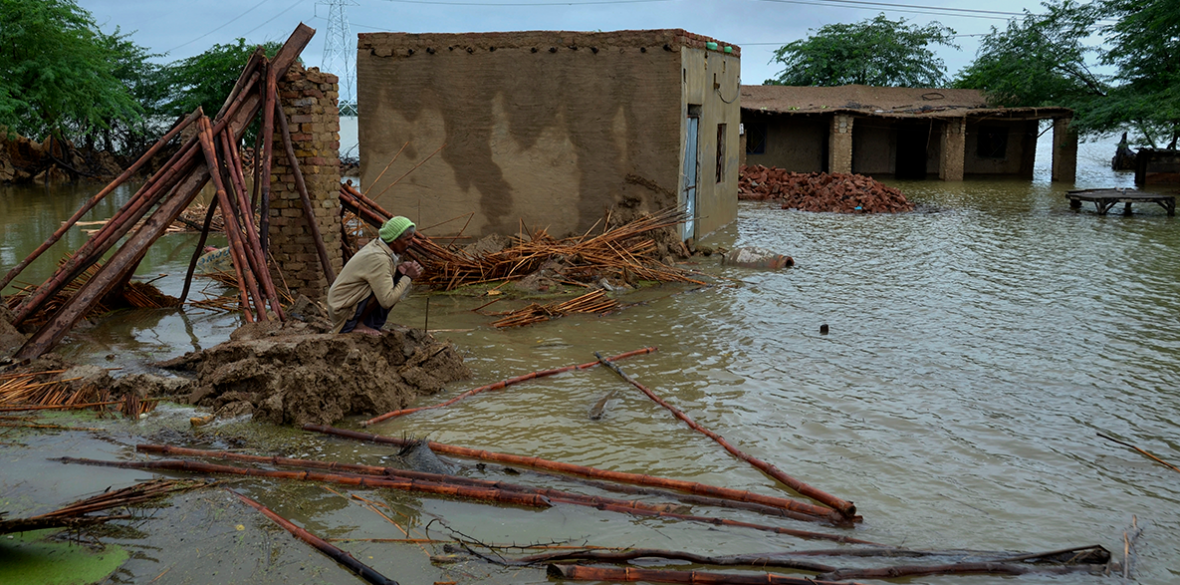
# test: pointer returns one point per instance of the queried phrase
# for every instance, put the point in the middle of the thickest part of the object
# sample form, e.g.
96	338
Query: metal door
689	173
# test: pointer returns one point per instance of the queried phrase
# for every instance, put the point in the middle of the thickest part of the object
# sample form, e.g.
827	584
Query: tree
1145	49
206	79
1039	60
56	72
878	52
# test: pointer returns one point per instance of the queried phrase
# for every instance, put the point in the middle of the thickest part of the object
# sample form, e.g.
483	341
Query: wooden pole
366	572
844	507
502	384
409	485
254	249
630	574
90	203
271	92
301	186
819	512
192	264
553	494
247	287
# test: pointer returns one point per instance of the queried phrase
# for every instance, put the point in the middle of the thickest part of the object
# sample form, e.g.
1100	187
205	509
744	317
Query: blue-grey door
691	135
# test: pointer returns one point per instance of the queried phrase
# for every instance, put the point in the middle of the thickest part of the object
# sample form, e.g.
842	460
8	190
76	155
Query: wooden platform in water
1104	199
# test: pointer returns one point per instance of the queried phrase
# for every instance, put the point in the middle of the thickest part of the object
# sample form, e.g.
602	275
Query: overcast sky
182	28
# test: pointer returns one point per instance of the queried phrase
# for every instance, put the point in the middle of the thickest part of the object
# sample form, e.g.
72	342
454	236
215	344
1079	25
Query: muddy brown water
976	347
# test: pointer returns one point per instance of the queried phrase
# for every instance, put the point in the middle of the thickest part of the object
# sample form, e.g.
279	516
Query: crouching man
373	281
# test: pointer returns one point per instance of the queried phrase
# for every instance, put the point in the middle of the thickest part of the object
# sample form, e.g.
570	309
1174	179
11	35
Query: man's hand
410	268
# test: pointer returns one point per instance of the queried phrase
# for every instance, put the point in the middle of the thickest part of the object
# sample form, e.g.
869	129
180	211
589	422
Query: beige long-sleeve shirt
370	271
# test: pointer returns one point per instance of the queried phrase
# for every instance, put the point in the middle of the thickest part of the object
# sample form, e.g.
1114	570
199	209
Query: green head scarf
394	228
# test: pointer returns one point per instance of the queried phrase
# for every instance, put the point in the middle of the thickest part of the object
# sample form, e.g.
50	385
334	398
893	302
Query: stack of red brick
837	192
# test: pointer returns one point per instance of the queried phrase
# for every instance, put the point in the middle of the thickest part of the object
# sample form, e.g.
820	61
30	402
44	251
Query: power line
248	10
267	21
518	4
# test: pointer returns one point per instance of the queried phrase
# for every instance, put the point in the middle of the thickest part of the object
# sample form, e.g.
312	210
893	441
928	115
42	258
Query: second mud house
550	128
899	132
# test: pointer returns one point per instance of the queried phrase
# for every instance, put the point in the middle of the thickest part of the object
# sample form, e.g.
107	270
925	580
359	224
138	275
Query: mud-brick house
549	128
898	132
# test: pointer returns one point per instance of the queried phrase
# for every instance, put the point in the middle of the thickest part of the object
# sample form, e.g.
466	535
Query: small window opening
720	153
992	142
755	138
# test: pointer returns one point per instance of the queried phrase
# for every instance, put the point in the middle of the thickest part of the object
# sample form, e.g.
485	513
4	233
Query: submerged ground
976	346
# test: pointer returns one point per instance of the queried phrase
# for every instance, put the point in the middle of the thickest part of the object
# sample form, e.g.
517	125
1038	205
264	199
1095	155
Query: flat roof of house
887	102
666	39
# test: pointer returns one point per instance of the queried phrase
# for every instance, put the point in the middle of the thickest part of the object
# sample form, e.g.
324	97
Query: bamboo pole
487	495
612	556
301	186
1153	457
630	574
500	385
372	204
553	494
269	100
90	203
248	288
844	507
391	161
366	572
254	250
819	513
192	264
412	169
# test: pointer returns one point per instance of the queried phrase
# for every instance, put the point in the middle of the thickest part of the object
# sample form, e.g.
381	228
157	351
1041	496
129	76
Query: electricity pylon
340	53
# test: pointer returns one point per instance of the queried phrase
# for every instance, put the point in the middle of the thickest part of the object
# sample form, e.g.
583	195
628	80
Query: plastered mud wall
552	128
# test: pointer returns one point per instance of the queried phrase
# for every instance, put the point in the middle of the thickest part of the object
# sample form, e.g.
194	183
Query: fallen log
978	568
844	507
489	495
553	494
611	556
817	513
629	574
503	384
366	572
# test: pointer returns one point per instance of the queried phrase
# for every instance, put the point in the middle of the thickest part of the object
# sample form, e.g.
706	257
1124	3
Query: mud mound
837	192
290	374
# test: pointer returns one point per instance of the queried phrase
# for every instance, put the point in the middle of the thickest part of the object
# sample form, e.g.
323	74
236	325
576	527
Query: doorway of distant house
689	173
912	141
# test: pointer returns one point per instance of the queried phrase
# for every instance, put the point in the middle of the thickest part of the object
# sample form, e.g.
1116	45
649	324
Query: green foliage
206	79
1043	60
57	71
877	52
1039	60
1145	48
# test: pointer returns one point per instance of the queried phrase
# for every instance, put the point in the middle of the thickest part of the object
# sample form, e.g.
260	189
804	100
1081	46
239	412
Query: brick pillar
1065	151
840	144
954	149
309	99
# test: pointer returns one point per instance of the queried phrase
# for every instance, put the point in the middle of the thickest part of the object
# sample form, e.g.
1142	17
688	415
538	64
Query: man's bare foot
362	328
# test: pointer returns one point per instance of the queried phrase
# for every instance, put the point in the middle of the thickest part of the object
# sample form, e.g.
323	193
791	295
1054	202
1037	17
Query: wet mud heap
836	192
295	374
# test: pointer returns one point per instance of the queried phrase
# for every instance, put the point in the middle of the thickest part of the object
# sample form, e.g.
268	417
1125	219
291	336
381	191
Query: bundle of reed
216	301
75	514
140	295
193	216
591	302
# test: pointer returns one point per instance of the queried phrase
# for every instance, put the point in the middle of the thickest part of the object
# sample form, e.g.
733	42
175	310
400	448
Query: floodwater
976	347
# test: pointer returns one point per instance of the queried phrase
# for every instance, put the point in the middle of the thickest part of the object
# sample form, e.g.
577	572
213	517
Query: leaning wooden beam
301	186
233	232
843	506
254	250
190	184
366	572
818	512
553	494
502	384
409	485
270	102
192	265
629	574
90	203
